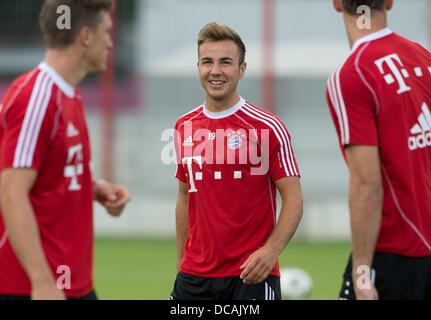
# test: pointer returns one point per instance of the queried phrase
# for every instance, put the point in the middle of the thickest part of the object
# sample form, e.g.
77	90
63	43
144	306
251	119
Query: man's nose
216	70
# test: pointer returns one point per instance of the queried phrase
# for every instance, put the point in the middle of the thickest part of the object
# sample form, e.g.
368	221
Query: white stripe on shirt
334	100
33	119
284	134
342	108
281	135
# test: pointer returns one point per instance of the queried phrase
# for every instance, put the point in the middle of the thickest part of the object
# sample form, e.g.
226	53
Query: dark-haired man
380	101
47	190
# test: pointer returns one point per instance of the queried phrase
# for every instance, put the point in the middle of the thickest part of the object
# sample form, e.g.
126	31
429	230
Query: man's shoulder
189	115
370	54
353	72
32	91
259	117
21	88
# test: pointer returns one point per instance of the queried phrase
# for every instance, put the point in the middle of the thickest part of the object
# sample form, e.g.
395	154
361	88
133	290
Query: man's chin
98	70
218	96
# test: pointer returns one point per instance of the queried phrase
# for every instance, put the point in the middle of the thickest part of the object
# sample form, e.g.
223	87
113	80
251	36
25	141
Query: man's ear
338	5
86	36
242	69
389	4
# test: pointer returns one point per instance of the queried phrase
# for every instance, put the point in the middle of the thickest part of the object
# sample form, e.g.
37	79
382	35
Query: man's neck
378	22
214	105
67	64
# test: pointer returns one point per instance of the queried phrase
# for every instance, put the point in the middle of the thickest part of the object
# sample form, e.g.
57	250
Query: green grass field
145	269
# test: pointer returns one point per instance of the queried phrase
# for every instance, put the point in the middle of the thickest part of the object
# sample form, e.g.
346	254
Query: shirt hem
222	275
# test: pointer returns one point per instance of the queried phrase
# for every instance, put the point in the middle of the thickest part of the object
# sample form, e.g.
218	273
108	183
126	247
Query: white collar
373	36
224	113
59	81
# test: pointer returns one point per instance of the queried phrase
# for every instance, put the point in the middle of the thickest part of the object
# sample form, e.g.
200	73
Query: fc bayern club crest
235	139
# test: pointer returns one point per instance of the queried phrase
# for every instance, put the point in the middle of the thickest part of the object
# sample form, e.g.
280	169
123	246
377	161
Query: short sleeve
282	162
27	125
353	108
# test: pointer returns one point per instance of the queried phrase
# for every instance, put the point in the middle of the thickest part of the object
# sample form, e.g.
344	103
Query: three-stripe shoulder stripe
337	99
339	106
17	92
190	112
188	120
281	134
35	113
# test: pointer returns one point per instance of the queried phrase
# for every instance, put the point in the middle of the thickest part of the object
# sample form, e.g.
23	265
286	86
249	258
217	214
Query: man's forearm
181	213
25	239
290	214
365	203
288	221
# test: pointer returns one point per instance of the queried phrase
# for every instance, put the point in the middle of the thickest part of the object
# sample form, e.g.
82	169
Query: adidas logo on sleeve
421	132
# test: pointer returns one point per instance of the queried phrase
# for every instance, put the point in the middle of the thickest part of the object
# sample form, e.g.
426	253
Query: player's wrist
97	184
41	278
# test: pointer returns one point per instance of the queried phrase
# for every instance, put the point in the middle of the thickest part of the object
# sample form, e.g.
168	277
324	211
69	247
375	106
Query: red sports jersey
43	127
381	97
230	161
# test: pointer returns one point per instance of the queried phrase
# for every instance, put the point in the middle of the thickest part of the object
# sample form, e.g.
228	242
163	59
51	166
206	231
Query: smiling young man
47	190
380	102
232	157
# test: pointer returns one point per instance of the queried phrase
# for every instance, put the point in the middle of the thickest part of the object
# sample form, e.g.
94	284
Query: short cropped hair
217	32
83	13
351	6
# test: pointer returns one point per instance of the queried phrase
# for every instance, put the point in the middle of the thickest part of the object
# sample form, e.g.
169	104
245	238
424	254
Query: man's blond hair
217	32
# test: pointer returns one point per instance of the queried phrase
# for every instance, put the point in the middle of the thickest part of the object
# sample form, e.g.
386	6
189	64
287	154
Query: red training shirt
43	127
230	161
380	96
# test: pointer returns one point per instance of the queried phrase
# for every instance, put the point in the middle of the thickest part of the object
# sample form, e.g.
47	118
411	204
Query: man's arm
181	214
259	264
23	231
365	202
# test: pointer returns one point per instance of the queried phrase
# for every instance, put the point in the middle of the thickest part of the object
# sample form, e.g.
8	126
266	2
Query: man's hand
46	290
366	294
364	289
258	265
112	196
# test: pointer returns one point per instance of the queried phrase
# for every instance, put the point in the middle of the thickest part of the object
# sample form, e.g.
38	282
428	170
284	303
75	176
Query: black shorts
91	296
188	287
395	278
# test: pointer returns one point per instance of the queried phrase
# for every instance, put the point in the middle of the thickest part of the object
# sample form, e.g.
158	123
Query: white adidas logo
421	132
71	130
188	142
